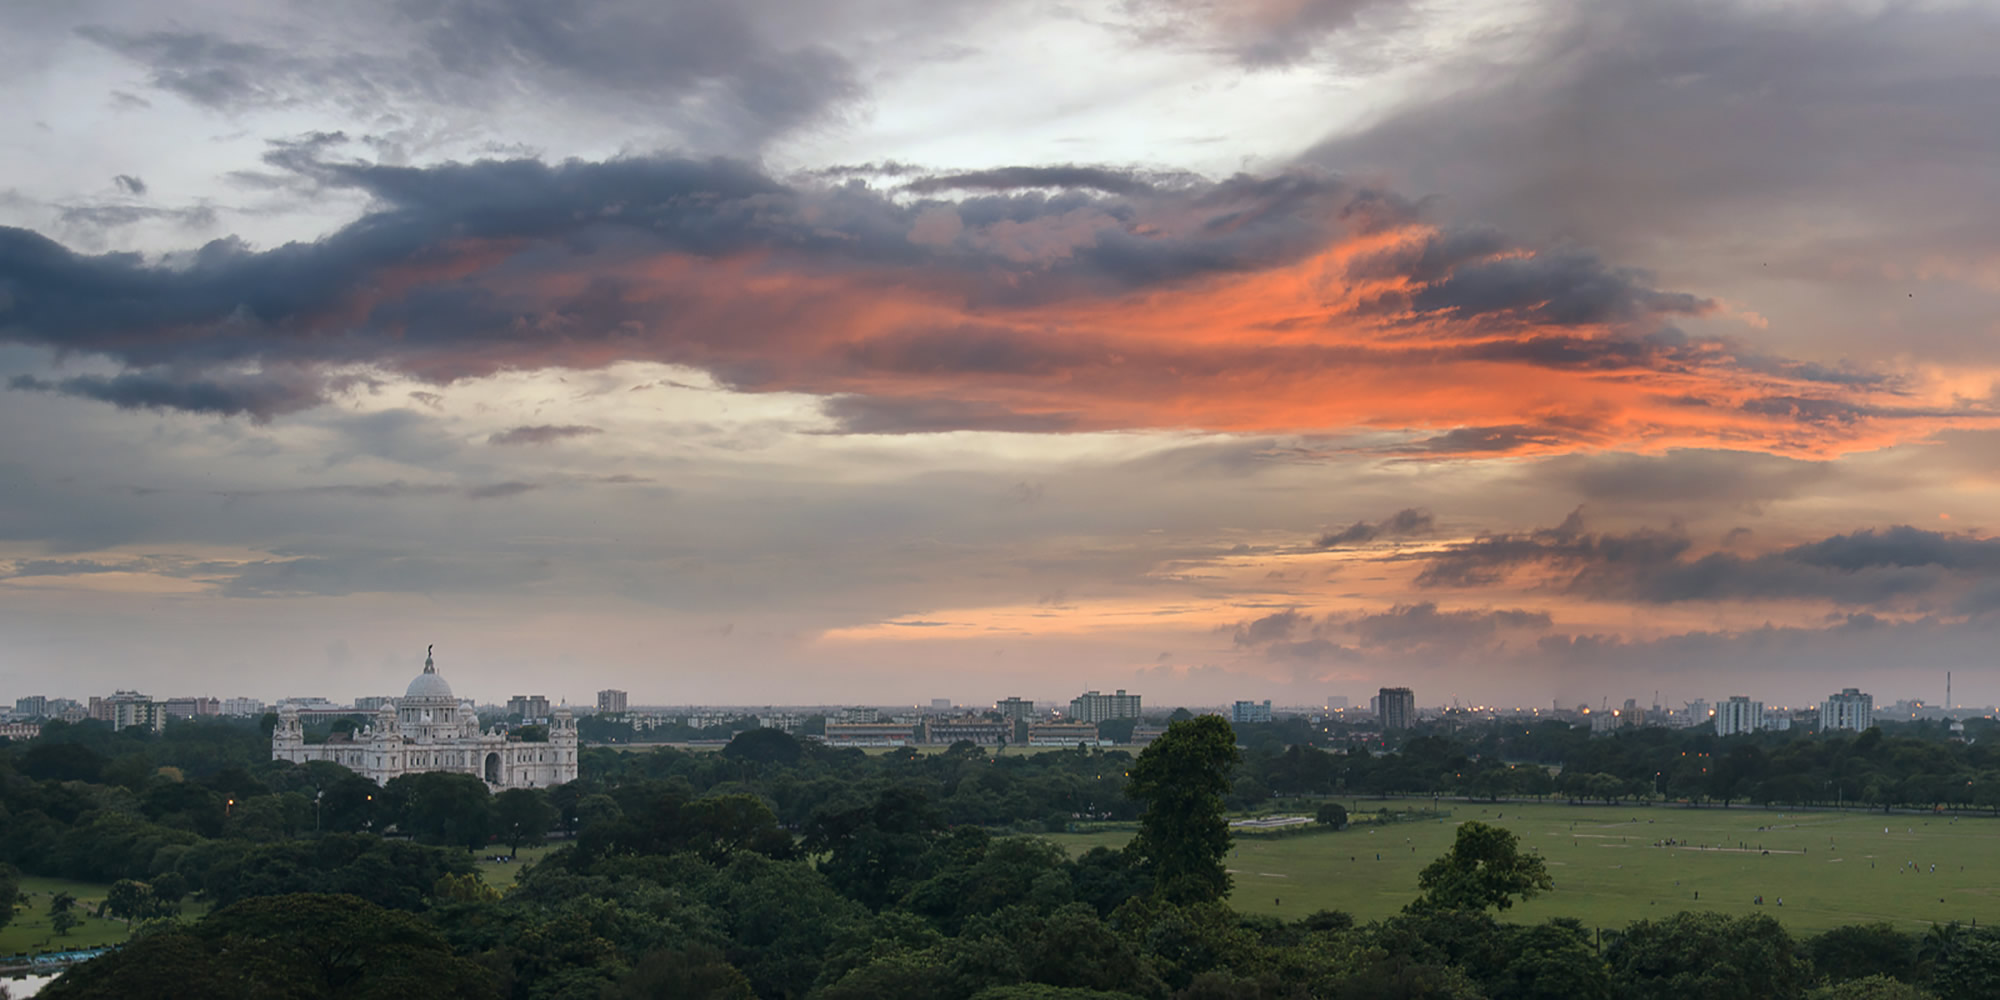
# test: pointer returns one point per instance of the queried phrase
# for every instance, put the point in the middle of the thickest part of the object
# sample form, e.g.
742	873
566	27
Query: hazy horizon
863	351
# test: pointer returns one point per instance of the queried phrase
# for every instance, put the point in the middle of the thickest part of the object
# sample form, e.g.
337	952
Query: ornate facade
428	729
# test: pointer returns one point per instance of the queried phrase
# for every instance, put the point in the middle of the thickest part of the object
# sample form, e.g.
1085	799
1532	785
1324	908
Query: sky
875	351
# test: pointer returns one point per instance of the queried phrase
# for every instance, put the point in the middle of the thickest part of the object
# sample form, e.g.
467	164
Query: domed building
430	729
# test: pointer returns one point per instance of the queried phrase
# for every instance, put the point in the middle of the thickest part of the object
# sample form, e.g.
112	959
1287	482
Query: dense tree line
784	869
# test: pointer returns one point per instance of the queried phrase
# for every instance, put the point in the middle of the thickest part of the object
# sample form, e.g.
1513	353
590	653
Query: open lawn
30	932
1829	868
500	874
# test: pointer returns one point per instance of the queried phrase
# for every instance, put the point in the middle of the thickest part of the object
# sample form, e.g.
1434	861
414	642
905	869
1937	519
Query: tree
764	746
1871	988
695	973
170	888
1863	950
1484	868
129	899
1333	814
1707	955
523	816
1182	778
10	889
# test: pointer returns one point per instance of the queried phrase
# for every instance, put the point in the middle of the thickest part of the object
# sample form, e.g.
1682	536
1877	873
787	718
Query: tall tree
522	816
1182	777
10	887
1484	868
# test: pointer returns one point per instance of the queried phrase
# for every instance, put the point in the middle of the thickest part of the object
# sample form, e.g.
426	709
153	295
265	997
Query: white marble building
429	729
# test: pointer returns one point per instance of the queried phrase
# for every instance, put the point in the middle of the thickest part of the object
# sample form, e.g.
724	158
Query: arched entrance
492	768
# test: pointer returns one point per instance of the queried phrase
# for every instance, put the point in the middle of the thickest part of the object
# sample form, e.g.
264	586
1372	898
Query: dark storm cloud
1562	288
542	434
1401	524
1870	567
711	64
260	397
463	269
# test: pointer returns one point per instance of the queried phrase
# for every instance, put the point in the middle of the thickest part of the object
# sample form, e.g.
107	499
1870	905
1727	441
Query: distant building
1738	715
1015	709
1335	702
1245	712
868	734
34	706
1063	734
528	706
1850	710
428	729
20	730
190	708
1093	707
611	701
242	706
859	716
130	709
1397	708
1776	720
974	730
942	706
1145	733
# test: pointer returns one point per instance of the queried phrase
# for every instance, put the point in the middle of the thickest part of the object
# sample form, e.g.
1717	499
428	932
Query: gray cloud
541	434
713	71
873	415
260	397
1270	628
1884	567
1706	140
226	304
130	184
1401	524
1422	624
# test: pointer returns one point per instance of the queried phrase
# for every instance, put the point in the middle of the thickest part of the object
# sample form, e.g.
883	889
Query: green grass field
500	874
1829	868
30	932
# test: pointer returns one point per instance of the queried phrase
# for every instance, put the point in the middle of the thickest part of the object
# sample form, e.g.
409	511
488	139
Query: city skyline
854	352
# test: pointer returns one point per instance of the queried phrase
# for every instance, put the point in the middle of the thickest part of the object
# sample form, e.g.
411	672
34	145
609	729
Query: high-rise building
373	703
1738	715
127	709
1244	712
1336	701
242	706
189	708
1015	709
1092	706
528	706
34	706
611	700
941	706
1850	710
1397	708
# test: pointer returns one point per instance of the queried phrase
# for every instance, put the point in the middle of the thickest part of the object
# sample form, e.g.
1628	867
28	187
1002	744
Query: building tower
1397	708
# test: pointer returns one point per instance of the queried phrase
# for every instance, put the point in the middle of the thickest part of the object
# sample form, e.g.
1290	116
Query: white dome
429	684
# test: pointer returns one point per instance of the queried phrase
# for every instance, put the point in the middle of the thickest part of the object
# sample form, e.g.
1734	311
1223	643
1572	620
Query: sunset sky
880	350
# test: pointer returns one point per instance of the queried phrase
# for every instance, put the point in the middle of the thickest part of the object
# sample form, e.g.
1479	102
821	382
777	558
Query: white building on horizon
429	729
1850	710
1738	714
